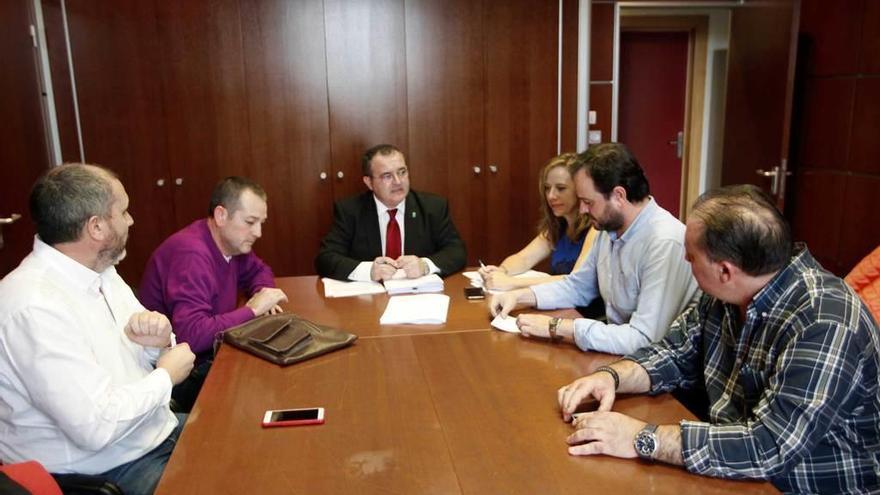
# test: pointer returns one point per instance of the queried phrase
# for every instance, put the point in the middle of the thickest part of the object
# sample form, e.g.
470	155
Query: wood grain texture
451	412
366	78
521	118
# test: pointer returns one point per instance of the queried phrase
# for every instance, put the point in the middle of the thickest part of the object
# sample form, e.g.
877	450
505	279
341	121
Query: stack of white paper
338	288
424	309
428	283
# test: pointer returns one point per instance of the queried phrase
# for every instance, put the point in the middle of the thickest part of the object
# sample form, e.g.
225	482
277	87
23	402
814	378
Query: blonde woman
564	234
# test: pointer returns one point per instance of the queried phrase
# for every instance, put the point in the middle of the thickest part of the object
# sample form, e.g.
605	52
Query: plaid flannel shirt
793	391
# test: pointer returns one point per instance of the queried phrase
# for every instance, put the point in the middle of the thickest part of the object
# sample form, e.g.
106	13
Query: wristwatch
554	323
646	442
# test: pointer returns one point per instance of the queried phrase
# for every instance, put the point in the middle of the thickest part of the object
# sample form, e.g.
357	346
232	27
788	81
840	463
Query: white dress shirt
75	393
362	271
642	277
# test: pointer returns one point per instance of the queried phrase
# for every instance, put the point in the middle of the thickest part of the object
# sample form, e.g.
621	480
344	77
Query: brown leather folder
286	338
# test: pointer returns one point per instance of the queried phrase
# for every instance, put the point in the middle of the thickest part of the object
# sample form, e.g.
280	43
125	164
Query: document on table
338	288
506	324
428	283
477	280
425	309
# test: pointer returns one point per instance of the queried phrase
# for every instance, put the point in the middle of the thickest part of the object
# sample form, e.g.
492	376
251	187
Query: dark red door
23	152
653	87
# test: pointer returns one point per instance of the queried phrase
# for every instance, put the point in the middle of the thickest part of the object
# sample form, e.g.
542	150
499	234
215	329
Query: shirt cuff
432	268
361	273
162	381
695	445
582	333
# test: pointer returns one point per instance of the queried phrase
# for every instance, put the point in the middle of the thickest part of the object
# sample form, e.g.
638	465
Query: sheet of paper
477	281
428	283
425	309
506	324
338	288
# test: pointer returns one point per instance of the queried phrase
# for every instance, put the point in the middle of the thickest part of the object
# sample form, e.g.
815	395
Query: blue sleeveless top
566	253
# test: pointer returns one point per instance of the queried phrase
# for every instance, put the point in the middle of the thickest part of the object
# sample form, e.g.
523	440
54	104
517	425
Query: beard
114	251
613	221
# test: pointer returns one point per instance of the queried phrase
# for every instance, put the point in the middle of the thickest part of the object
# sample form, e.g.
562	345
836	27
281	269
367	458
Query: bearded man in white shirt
85	372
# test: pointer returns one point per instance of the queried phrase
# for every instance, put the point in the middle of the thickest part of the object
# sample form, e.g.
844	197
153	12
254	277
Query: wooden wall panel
822	135
117	63
206	125
870	45
859	234
570	15
834	35
821	228
838	117
366	76
602	42
445	90
285	76
521	116
865	126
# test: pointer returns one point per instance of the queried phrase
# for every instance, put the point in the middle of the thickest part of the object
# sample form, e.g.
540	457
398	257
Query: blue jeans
140	476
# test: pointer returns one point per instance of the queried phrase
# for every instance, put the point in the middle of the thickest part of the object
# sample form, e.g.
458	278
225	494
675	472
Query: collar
383	210
83	277
647	212
768	295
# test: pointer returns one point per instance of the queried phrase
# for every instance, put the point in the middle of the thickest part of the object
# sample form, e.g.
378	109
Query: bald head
65	197
743	226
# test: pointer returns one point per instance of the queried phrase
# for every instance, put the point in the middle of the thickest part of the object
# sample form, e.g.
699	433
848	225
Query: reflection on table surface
455	408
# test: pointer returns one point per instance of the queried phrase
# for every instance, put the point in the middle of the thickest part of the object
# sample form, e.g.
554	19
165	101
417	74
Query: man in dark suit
389	231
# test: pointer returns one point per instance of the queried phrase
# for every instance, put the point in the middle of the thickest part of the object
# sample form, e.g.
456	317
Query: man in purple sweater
195	275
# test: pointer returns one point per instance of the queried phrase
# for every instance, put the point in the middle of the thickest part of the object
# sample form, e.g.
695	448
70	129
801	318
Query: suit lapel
370	220
413	222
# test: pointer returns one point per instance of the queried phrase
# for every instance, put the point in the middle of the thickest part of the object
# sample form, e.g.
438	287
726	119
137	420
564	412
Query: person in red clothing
194	277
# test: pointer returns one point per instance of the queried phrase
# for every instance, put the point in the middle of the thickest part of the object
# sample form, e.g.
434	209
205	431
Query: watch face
646	444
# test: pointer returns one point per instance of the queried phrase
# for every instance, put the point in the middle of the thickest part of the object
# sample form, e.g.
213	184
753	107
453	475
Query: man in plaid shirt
787	353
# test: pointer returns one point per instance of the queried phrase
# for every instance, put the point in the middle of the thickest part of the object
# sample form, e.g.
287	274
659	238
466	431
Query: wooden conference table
454	408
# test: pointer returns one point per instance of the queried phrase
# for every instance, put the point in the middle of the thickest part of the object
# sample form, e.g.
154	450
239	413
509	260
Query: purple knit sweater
189	281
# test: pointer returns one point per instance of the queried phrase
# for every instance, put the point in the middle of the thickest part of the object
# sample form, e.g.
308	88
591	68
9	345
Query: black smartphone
473	293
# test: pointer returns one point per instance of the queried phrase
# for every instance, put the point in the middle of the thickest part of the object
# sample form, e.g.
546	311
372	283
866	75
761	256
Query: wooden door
23	149
653	88
366	80
286	79
204	101
521	47
118	64
760	82
444	78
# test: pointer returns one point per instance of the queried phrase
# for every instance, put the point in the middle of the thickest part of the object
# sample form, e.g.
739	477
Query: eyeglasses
389	176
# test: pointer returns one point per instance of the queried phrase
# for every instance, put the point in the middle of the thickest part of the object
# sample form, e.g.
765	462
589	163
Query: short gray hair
65	197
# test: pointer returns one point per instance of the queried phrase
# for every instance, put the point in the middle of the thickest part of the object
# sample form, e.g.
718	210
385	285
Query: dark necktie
392	236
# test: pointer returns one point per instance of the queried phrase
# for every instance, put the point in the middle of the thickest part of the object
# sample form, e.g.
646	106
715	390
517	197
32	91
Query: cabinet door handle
10	219
340	175
178	181
160	182
477	169
493	169
323	175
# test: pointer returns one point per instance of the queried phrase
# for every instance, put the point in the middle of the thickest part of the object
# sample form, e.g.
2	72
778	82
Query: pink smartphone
293	417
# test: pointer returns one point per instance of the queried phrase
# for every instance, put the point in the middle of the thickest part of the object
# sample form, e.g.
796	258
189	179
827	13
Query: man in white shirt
636	264
85	372
389	231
